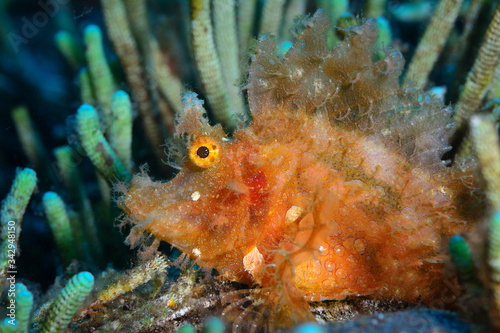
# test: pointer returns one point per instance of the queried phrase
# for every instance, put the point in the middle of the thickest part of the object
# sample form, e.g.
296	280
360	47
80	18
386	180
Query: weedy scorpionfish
336	188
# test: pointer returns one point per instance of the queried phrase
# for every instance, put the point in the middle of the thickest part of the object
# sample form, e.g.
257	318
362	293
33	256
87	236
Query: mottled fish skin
336	187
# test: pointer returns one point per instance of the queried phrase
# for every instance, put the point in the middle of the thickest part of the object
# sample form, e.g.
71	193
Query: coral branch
133	279
96	146
227	50
58	219
246	16
120	129
24	301
68	301
334	8
495	83
74	183
86	92
494	259
485	142
461	256
480	76
169	85
11	215
69	48
99	71
375	8
208	64
432	42
23	306
296	8
384	36
115	16
271	17
30	140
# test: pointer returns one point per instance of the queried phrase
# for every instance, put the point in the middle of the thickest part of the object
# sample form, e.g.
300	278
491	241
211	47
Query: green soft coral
68	301
97	147
59	223
12	211
23	306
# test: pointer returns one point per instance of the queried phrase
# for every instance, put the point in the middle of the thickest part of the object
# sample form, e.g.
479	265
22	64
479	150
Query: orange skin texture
371	219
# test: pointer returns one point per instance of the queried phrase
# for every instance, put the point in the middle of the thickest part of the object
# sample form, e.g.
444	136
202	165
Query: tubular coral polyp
336	188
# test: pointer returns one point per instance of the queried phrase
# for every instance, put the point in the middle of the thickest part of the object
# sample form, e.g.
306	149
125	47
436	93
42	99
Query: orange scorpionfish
335	189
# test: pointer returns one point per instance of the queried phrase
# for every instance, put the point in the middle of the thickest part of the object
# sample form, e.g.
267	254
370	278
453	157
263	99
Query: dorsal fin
356	92
346	81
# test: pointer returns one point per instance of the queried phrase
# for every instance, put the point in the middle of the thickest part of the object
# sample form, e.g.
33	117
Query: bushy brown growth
356	92
345	81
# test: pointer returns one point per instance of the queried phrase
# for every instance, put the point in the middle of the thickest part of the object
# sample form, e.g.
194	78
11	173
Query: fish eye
204	152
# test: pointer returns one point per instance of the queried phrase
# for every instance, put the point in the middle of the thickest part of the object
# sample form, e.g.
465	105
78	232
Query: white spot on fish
195	196
293	214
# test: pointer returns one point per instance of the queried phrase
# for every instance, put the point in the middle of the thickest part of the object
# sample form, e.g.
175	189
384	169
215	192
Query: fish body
336	188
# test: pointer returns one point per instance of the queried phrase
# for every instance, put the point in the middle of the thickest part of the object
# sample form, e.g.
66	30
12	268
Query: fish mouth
153	207
168	223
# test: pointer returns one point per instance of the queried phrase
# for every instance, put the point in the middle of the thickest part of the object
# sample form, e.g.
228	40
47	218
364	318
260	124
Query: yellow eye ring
204	152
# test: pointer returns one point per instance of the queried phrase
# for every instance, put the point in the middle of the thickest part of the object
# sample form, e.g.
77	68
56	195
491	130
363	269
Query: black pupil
203	152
